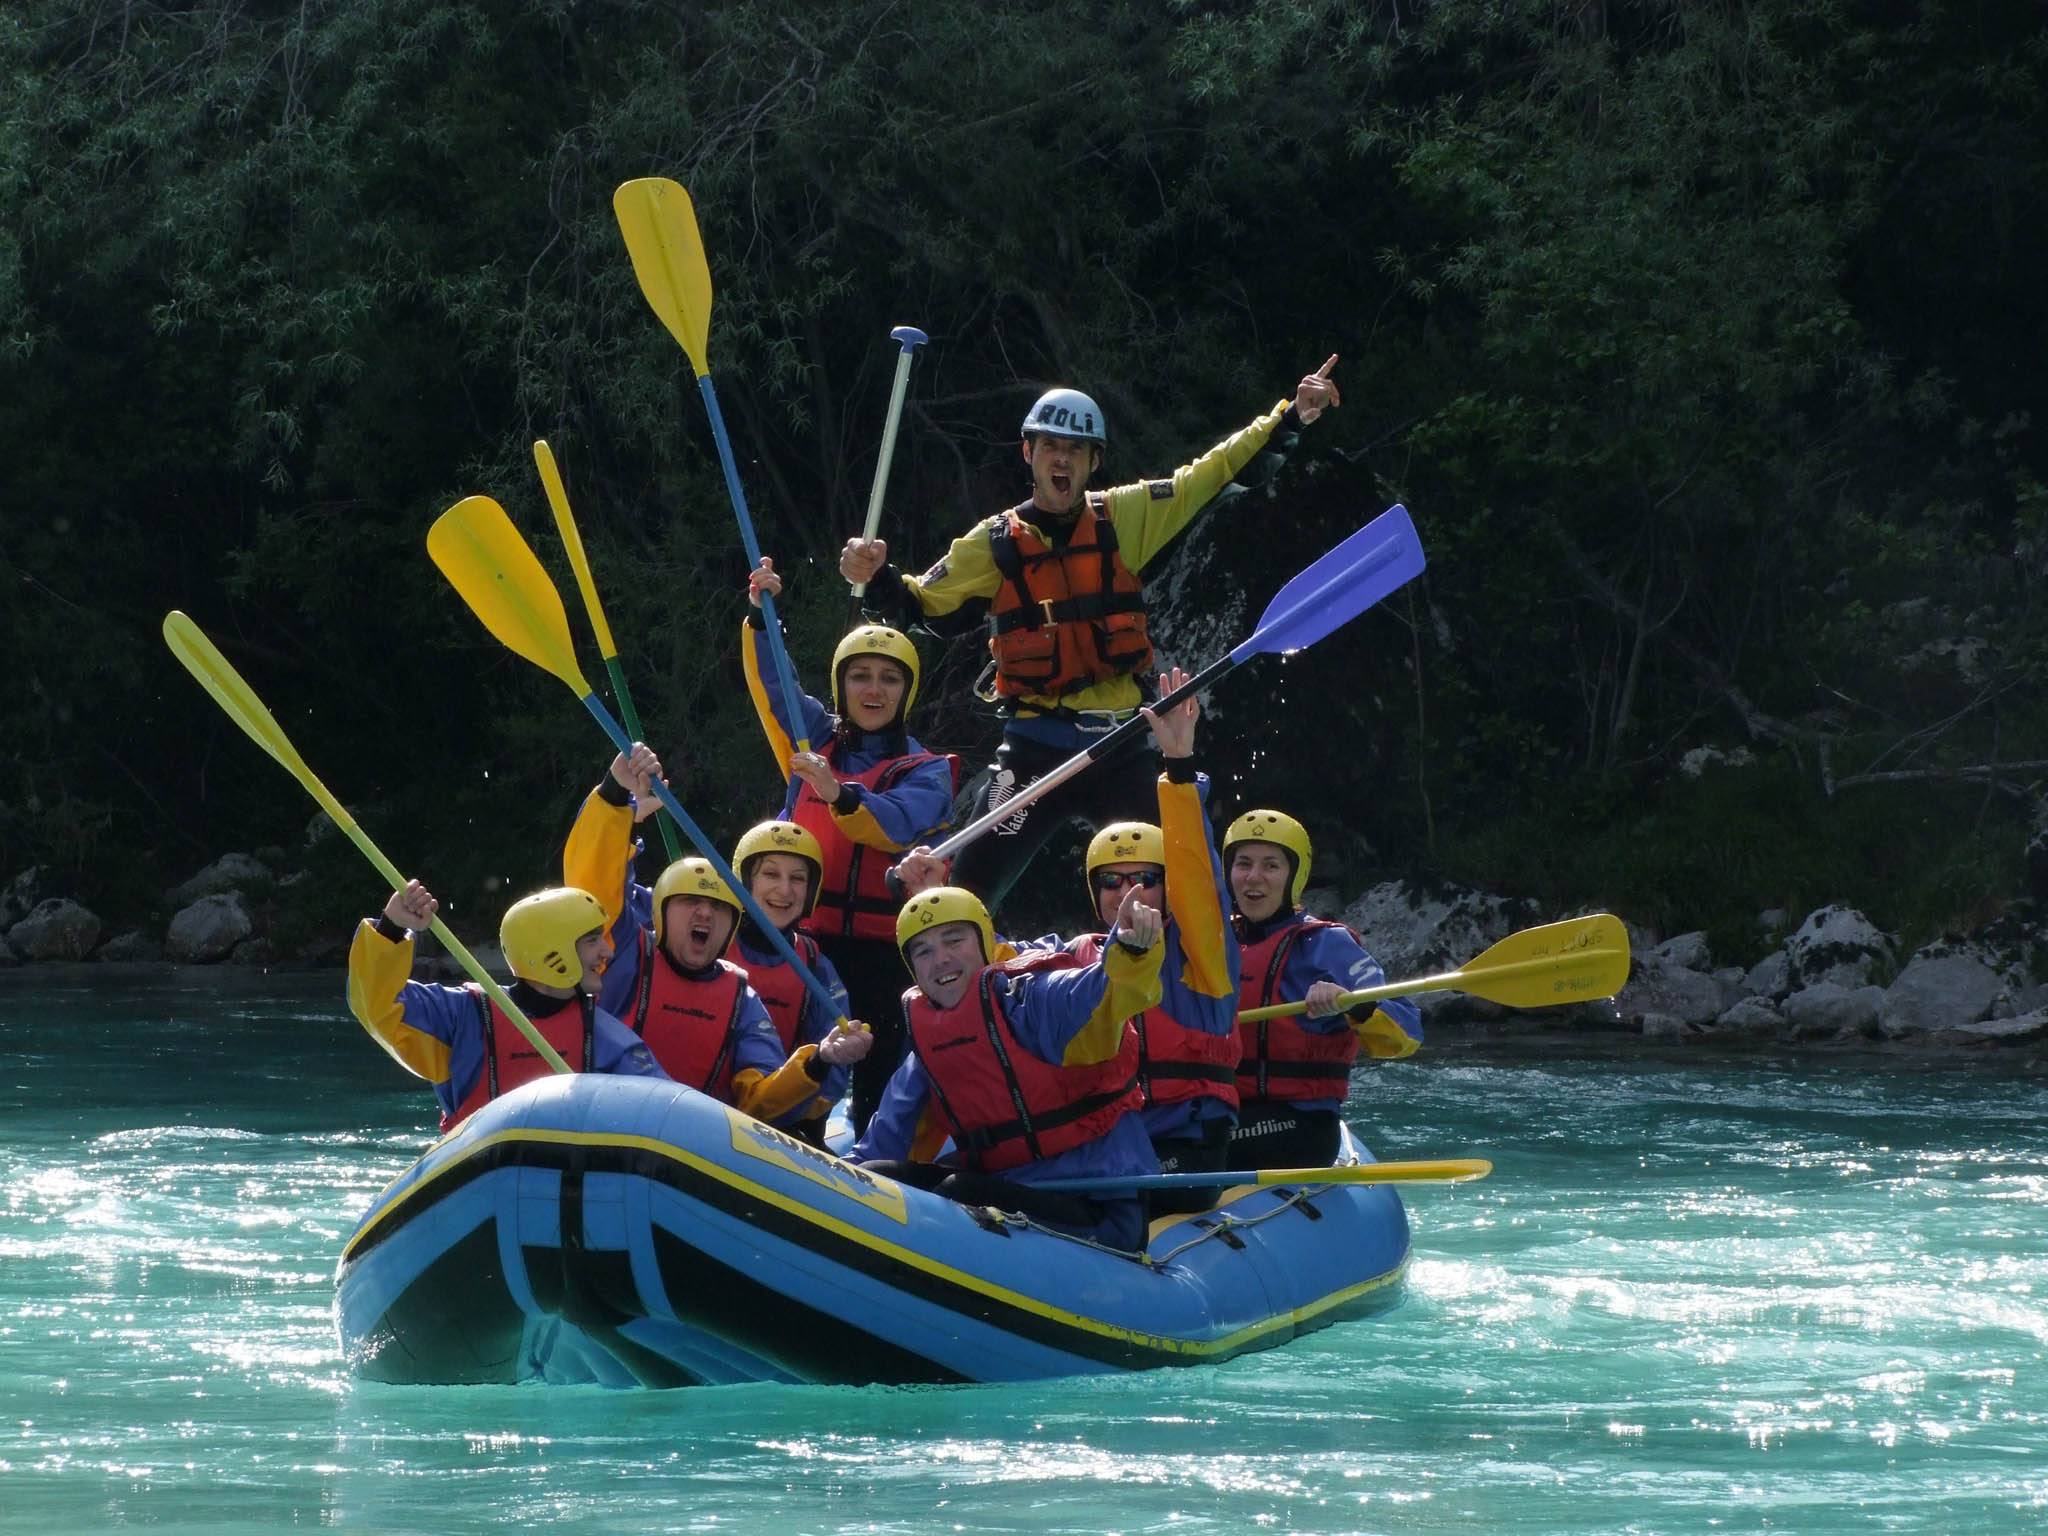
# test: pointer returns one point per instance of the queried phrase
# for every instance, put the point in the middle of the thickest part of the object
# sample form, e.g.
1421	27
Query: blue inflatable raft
624	1231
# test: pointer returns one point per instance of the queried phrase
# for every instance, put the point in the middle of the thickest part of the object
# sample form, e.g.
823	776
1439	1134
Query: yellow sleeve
757	690
599	852
929	1138
966	571
377	970
1381	1038
1133	987
1149	513
771	1095
1192	899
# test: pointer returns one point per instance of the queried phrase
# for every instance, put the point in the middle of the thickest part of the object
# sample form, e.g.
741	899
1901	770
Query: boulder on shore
209	929
57	929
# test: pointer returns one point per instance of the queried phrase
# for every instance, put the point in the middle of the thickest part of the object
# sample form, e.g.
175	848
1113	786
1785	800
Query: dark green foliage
1702	339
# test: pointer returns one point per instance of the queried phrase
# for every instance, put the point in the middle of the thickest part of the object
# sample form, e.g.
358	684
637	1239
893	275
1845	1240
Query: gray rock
1753	1018
7	955
1838	944
208	929
1829	1011
1412	931
1324	901
320	828
1773	921
1938	992
253	951
129	946
1668	1028
1770	976
20	896
1688	950
57	929
2013	1031
229	872
1656	986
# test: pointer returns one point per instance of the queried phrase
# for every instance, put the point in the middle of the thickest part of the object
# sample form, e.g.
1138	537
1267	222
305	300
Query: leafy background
1703	340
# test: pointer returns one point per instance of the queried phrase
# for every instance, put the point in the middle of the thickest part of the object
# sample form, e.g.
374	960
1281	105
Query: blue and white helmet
1067	413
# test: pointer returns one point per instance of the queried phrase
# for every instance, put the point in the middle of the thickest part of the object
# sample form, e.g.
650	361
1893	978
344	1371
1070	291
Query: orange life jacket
509	1057
1003	1105
1064	616
688	1022
1279	1058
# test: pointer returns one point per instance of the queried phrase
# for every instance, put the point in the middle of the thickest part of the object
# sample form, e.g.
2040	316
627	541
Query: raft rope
1223	1228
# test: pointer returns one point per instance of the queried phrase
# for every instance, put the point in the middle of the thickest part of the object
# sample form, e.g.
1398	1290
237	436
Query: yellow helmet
1284	833
781	837
539	934
1124	842
691	877
945	904
877	640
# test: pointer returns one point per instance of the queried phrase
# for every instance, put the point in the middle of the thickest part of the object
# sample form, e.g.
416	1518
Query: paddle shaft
1455	1170
1443	981
1047	782
229	689
792	700
709	850
572	541
909	339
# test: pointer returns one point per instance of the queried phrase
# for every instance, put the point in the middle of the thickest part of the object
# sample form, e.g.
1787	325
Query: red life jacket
775	979
688	1022
1278	1058
1063	616
509	1057
853	894
1004	1106
1174	1061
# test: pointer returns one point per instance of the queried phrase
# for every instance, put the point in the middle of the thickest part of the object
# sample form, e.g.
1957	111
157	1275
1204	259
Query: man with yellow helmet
456	1037
866	791
1056	581
670	982
1025	1063
1294	1073
1187	1046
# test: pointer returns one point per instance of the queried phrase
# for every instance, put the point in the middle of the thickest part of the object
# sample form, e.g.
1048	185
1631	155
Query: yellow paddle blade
1447	1170
190	645
499	576
660	226
565	523
1568	962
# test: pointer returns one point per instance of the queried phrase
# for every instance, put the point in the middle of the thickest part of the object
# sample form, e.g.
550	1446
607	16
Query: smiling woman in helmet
670	982
1055	580
1293	1073
867	791
1026	1064
457	1038
780	862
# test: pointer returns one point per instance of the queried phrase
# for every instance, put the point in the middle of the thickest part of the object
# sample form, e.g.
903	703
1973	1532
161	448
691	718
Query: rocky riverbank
1830	980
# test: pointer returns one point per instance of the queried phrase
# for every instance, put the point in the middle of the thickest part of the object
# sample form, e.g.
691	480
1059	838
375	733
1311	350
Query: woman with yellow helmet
670	982
1293	1073
456	1037
866	791
780	862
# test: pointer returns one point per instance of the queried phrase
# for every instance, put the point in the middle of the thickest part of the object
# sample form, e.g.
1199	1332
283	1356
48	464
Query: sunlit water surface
1693	1297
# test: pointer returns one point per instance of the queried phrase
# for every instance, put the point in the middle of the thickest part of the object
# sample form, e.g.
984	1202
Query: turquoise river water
1693	1297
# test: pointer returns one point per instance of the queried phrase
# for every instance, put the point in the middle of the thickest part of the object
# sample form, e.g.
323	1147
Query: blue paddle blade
908	337
1380	558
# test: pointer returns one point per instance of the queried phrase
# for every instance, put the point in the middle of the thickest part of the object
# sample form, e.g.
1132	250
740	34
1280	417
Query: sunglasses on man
1117	879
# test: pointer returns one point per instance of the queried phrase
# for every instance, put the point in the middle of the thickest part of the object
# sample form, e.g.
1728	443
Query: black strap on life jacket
1031	612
